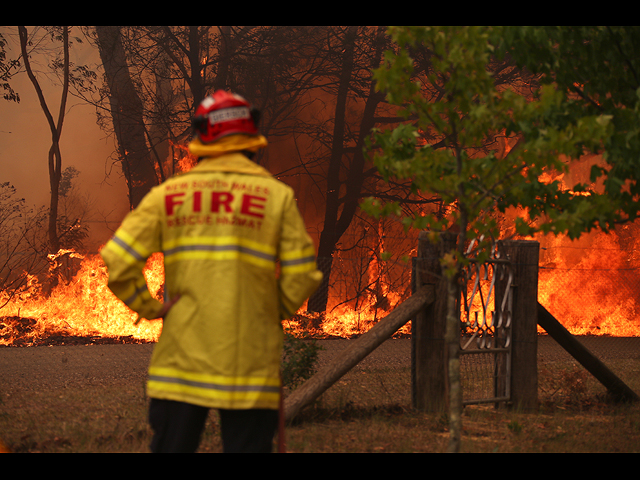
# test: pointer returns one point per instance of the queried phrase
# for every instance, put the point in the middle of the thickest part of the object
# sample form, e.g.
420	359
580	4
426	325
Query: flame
587	284
591	285
85	306
349	319
82	307
184	159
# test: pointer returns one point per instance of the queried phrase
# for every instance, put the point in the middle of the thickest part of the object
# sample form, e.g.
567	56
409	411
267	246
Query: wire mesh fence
585	301
593	301
600	306
364	281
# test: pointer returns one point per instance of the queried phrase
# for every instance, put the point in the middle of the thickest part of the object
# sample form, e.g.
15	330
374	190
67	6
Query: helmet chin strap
232	143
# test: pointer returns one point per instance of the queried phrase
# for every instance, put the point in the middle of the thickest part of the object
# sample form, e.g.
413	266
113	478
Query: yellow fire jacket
237	253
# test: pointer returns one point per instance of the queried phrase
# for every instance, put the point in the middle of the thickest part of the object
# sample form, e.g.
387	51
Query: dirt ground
58	366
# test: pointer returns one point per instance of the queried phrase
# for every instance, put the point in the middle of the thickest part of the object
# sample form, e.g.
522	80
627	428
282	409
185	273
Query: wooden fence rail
616	387
358	350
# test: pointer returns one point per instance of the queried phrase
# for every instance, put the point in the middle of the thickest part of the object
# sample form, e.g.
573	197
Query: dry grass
367	411
574	416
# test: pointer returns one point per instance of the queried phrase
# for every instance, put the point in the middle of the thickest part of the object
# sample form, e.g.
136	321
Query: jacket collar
230	143
231	162
224	155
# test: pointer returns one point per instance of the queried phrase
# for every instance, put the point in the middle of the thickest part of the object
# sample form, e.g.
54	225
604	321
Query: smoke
25	139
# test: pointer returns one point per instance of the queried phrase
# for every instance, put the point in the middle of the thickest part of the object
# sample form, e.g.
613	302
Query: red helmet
224	113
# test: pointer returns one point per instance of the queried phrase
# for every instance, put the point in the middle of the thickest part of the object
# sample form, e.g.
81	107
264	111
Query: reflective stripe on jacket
224	229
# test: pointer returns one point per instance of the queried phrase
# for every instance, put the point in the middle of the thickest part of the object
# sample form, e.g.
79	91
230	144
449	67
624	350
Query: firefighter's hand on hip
167	306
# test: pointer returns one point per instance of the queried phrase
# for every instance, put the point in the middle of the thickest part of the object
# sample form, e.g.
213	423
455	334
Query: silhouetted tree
8	68
127	115
316	92
55	157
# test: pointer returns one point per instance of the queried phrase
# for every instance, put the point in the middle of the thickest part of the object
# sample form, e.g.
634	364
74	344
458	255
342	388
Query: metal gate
485	347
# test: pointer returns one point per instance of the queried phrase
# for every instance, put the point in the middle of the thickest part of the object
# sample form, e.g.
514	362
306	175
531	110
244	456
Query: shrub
300	359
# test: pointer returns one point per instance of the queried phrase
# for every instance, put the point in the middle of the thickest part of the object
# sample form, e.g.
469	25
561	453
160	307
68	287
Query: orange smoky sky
25	139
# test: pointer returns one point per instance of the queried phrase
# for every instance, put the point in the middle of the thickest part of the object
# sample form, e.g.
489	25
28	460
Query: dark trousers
178	427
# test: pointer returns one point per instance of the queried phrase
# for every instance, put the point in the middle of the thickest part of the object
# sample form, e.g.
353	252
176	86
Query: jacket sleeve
299	275
126	253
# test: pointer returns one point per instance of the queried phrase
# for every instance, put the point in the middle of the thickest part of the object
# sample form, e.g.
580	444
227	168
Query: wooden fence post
524	256
429	361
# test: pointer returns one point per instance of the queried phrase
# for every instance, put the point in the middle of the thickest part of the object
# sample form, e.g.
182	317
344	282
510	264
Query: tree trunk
336	222
227	50
329	235
197	83
159	131
127	115
453	308
55	157
452	340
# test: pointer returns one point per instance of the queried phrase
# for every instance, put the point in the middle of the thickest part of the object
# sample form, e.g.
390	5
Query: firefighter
238	261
